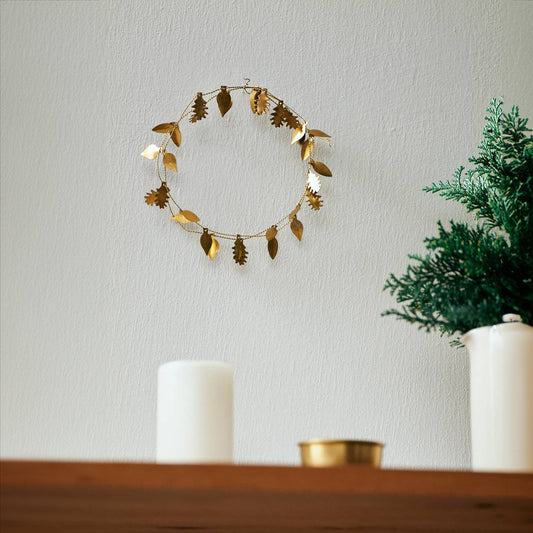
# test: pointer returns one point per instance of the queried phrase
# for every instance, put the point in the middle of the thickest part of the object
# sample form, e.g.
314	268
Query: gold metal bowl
319	452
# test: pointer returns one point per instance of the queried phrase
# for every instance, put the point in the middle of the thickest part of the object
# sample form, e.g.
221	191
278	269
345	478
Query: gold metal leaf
253	99
271	233
298	133
297	228
262	102
290	120
158	197
224	100
239	251
176	136
199	108
150	152
150	197
314	200
185	217
166	127
313	181
307	148
278	115
206	241
294	212
303	139
169	160
321	168
273	247
318	133
214	248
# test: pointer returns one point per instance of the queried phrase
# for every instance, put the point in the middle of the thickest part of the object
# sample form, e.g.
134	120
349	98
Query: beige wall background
98	289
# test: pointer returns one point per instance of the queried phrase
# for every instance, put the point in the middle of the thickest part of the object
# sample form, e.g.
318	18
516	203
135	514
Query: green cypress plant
472	275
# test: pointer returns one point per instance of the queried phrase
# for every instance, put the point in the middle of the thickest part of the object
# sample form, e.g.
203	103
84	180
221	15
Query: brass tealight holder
324	453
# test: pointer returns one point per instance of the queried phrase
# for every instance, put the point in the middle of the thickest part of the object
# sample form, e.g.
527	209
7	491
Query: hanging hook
247	80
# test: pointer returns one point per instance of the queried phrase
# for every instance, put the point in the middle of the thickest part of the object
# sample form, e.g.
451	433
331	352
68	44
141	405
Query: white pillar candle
195	412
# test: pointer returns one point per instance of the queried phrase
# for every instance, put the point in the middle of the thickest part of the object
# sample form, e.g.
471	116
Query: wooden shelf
140	498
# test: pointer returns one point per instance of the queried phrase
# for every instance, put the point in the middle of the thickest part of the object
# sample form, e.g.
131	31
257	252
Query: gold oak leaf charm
262	102
185	217
290	120
150	197
169	160
206	241
224	100
158	197
199	108
277	116
273	247
253	99
297	228
314	200
214	248
239	251
321	168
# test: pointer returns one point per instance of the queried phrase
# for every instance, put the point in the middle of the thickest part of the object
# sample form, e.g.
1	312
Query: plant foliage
471	276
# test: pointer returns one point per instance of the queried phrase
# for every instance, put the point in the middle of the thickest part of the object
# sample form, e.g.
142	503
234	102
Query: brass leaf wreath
282	115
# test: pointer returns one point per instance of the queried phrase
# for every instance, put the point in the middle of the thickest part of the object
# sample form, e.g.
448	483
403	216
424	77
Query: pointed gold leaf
262	102
185	217
307	148
150	152
321	168
176	136
298	133
294	212
297	228
224	100
318	133
206	241
166	127
271	233
214	248
239	251
253	99
169	160
273	247
313	181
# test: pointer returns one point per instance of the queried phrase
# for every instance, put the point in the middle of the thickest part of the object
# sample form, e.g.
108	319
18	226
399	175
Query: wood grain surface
125	497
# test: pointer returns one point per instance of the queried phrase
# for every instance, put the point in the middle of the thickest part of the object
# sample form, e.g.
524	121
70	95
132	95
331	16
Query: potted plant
472	276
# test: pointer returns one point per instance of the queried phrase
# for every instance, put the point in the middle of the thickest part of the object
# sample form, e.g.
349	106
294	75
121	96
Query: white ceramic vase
501	397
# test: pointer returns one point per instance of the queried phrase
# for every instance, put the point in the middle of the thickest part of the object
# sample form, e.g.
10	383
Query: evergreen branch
471	276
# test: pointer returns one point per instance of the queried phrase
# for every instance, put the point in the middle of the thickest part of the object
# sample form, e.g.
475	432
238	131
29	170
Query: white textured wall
98	289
